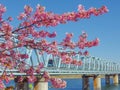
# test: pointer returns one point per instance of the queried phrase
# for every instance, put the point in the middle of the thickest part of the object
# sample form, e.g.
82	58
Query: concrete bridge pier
41	85
115	79
26	85
107	79
17	86
85	82
22	85
97	83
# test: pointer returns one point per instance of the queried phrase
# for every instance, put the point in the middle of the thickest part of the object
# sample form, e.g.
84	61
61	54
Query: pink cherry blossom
96	42
86	53
81	8
2	86
5	77
20	79
43	34
39	67
30	71
52	35
67	42
74	62
46	76
30	34
40	8
27	9
21	16
66	59
58	83
23	56
31	79
81	45
9	44
10	18
79	63
105	9
11	76
2	9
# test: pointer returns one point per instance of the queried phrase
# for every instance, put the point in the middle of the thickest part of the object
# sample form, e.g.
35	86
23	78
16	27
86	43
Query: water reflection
111	87
76	84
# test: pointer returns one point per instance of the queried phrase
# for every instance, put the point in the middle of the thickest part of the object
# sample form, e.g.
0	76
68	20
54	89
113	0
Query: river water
76	84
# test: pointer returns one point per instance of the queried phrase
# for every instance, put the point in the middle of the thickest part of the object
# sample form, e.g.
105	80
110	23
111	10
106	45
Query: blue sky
106	27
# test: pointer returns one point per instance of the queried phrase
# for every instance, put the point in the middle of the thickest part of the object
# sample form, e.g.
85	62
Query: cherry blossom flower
39	67
105	9
20	79
86	53
2	86
46	76
30	71
21	16
52	35
66	59
15	40
79	63
27	9
2	9
10	18
43	34
81	8
96	42
31	79
74	62
58	83
40	8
